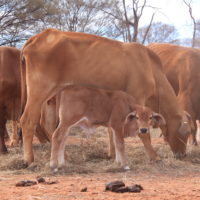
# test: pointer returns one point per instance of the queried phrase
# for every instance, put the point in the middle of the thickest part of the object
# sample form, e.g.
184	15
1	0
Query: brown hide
54	59
9	89
49	116
182	68
10	94
92	107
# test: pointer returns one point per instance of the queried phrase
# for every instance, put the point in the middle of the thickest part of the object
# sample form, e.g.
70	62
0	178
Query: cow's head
140	121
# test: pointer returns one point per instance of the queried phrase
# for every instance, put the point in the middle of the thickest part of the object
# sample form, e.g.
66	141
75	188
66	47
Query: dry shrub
89	155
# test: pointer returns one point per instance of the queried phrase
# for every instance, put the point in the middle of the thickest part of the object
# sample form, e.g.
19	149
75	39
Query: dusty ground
88	166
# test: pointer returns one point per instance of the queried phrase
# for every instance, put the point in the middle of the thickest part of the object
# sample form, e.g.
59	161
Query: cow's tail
23	82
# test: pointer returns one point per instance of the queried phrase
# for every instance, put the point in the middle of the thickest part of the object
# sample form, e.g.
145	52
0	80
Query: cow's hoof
179	156
155	160
24	165
4	150
127	168
32	166
111	157
14	143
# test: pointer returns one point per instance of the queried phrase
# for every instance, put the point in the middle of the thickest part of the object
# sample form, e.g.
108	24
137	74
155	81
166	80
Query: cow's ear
184	128
187	124
131	116
189	119
160	120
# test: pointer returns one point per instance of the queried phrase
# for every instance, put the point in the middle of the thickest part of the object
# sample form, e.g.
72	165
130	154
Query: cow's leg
15	136
120	150
3	148
58	144
29	121
146	140
6	135
194	134
111	153
164	134
198	130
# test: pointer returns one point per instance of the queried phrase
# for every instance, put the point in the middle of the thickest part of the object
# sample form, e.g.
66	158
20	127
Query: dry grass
90	156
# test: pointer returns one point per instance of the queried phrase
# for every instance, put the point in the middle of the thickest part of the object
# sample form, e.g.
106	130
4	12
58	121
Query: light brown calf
90	108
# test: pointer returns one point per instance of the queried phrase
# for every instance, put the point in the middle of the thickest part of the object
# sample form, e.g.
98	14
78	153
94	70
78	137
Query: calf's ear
130	117
160	120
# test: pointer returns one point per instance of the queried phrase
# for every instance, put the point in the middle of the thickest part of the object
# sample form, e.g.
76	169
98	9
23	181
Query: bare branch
148	28
188	4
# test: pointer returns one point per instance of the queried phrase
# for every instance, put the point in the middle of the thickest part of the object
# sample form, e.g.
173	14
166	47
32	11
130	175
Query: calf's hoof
32	166
55	170
4	151
127	168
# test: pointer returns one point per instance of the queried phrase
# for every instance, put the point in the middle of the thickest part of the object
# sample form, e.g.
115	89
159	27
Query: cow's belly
86	126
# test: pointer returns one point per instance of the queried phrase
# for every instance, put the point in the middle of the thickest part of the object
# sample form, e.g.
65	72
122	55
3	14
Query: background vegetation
117	19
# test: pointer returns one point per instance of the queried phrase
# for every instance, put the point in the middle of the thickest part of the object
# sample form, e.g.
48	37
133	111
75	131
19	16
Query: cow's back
181	64
182	68
91	60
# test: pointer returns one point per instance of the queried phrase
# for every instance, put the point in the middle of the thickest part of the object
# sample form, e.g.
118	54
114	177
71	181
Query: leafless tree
158	32
76	15
117	19
18	19
188	4
197	43
126	16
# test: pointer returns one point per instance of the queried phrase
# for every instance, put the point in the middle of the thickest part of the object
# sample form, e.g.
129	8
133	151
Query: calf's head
140	121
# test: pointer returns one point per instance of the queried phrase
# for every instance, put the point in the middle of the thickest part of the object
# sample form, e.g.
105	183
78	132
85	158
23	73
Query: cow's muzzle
143	130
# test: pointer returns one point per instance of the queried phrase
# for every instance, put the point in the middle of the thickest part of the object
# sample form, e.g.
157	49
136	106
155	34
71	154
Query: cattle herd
62	79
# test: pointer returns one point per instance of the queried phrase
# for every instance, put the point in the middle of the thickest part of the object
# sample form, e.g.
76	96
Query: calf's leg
120	150
58	145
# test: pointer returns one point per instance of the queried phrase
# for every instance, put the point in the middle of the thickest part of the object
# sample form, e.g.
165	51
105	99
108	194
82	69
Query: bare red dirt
69	187
88	166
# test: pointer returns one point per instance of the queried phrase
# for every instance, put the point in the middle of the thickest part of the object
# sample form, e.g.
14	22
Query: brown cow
182	68
10	94
90	108
54	59
198	130
10	103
